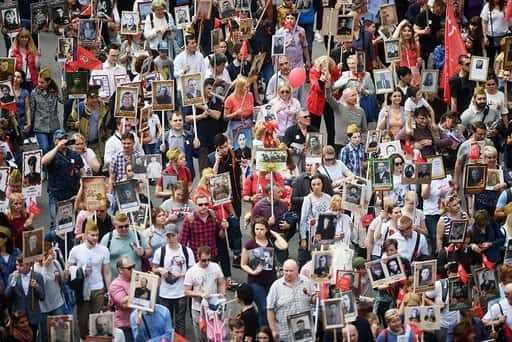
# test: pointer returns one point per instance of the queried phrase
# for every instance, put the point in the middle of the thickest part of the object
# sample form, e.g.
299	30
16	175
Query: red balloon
297	77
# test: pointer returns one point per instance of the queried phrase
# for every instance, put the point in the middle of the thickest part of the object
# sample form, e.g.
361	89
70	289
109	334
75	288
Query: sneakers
236	262
319	37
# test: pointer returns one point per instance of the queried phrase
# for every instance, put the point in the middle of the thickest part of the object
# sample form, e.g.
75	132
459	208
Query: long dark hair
263	221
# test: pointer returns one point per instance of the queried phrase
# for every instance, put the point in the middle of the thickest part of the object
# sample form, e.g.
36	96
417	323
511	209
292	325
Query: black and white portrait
345	27
77	83
129	22
352	196
478	68
65	215
101	324
431	318
127	195
126	102
349	306
59	14
409	172
33	245
383	81
278	45
220	187
423	173
382	174
182	15
457	231
475	178
459	295
39	16
10	18
372	140
394	267
487	283
413	315
326	226
103	82
153	165
300	326
60	328
322	264
104	8
429	81
192	90
88	31
392	50
32	179
163	95
65	49
145	9
376	272
226	8
143	291
333	313
425	276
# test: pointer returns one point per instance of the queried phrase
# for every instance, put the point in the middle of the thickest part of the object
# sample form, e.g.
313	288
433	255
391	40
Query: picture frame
163	95
139	219
144	9
203	9
326	226
120	80
39	16
143	291
387	149
313	147
182	15
381	174
130	22
220	186
60	328
373	140
77	84
127	196
412	315
507	60
392	50
31	175
430	317
245	28
103	81
191	89
394	268
153	166
4	183
487	283
65	49
322	264
257	63
388	15
271	159
101	324
348	306
103	8
139	167
59	14
346	280
424	275
383	81
242	5
88	32
508	253
423	173
344	28
10	18
376	273
216	37
262	256
361	61
65	218
479	68
475	177
95	193
169	181
429	81
242	141
494	177
332	313
409	172
353	196
33	245
458	230
438	170
459	295
301	327
226	9
127	99
7	68
329	20
278	47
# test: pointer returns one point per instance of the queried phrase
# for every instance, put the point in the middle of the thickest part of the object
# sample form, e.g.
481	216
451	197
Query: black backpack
162	256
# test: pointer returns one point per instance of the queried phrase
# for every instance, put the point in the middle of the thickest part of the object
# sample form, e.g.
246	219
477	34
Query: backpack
110	239
162	256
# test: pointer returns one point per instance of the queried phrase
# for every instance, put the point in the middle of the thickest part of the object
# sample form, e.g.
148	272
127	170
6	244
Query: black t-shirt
428	42
462	89
250	318
208	128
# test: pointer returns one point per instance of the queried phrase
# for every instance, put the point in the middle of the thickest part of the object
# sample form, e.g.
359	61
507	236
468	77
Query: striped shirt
353	158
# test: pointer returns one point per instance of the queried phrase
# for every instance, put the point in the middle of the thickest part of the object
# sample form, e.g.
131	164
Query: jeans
260	298
52	204
178	309
44	321
45	141
310	35
431	223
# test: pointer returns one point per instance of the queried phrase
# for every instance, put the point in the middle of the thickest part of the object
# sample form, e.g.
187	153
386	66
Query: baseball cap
171	228
60	134
163	46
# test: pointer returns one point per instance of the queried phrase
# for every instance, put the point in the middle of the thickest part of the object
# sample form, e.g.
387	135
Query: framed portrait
4	182
479	68
144	8
139	219
381	174
424	275
361	61
245	28
409	173
220	186
429	81
33	243
387	149
332	313
129	22
143	291
413	315
182	15
326	227
169	181
322	262
242	142
430	317
457	231
226	8
126	102
271	159
65	49
203	9
32	180
65	217
345	28
383	81
191	89
329	21
6	93
278	45
394	268
77	83
95	193
103	8
301	327
372	141
127	196
392	50
475	178
494	177
101	324
487	283
376	273
39	16
153	165
438	170
10	18
348	306
120	80
507	61
423	173
60	328
346	280
59	15
257	64
216	37
7	67
388	15
139	167
459	295
88	31
313	147
163	95
352	196
102	81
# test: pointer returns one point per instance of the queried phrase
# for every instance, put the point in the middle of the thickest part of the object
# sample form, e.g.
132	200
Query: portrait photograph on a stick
40	16
372	140
65	49
126	102
326	227
381	174
383	81
32	178
494	177
376	273
459	295
60	328
33	242
423	173
226	8
394	268
65	215
392	50
487	283
479	68
429	81
322	262
438	170
413	315
127	195
424	275
220	186
77	83
143	291
101	324
182	15
349	306
129	22
10	18
352	196
278	45
345	27
457	231
475	178
191	89
163	95
301	327
332	313
95	193
88	31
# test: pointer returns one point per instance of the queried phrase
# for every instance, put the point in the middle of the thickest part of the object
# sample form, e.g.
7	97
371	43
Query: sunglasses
129	268
306	116
202	204
285	92
124	226
399	163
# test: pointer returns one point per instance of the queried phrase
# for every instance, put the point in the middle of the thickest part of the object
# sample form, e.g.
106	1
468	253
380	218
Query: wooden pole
195	120
272	193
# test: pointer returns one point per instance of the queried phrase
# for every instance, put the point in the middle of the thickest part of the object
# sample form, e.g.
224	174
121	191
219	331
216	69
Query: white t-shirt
95	257
499	22
438	187
174	262
87	157
334	172
495	311
377	244
203	279
411	106
497	102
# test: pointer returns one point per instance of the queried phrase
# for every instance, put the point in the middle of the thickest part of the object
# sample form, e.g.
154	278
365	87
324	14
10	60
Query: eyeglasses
2	236
285	92
399	163
306	116
202	204
124	226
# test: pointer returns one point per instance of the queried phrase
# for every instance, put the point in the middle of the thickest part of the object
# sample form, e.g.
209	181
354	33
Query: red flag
10	106
487	263
85	60
87	12
463	275
454	47
244	51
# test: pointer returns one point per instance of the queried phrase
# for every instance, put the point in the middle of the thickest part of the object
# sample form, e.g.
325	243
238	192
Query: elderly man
411	244
501	312
288	295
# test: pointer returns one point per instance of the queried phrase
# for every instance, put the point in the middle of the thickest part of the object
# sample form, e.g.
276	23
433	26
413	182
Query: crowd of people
180	140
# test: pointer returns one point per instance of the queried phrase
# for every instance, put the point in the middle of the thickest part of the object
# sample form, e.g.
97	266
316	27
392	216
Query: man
322	267
201	281
150	325
383	82
124	241
129	24
501	312
281	77
278	47
346	304
332	314
120	159
34	246
88	30
189	61
193	90
127	102
103	326
295	138
202	228
119	294
288	295
426	25
301	332
64	166
479	111
163	96
111	67
382	175
171	262
461	88
94	261
411	244
114	144
404	80
6	94
10	19
142	291
209	123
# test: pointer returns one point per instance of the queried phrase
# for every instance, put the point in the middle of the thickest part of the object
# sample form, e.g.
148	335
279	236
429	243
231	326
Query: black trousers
328	116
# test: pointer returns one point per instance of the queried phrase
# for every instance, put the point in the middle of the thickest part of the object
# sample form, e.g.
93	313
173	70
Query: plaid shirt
199	233
118	164
353	158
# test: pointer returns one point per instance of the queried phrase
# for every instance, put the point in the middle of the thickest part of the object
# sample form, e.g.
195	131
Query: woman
488	198
477	36
239	107
410	50
395	328
89	159
264	334
315	203
43	102
248	313
416	215
179	206
495	98
399	188
392	116
26	56
373	246
382	232
335	170
175	168
156	233
450	210
485	237
286	108
295	42
19	218
261	275
495	25
159	25
22	98
324	70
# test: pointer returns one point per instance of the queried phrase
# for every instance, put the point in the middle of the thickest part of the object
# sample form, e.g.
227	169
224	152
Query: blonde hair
445	202
285	86
324	61
390	314
31	46
239	84
205	176
16	196
158	3
336	203
79	136
173	155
